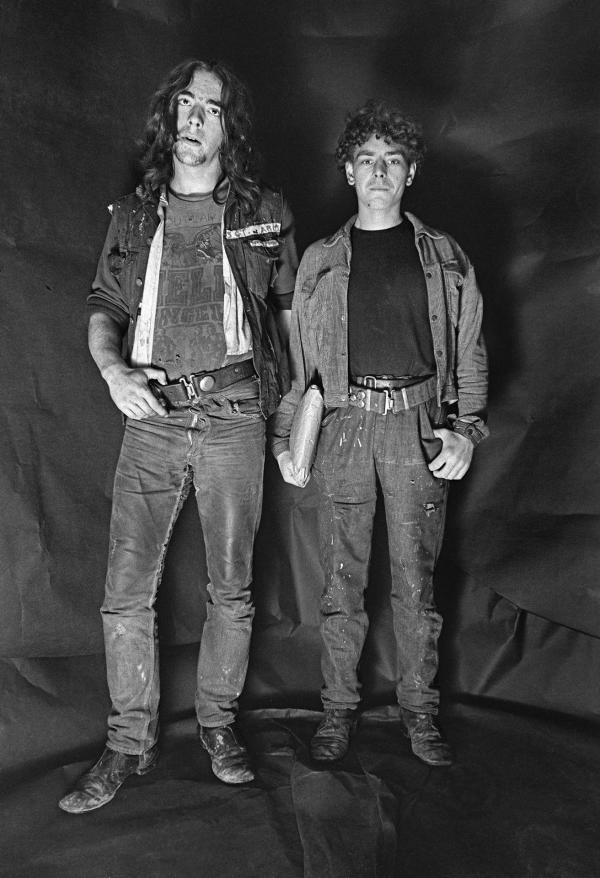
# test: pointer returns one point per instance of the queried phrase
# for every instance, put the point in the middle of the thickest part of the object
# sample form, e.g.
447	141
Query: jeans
355	449
218	448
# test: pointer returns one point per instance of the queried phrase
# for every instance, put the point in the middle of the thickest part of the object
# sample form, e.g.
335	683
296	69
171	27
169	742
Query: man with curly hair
196	274
387	321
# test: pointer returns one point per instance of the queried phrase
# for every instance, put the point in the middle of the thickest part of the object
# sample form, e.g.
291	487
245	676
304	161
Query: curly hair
390	123
236	154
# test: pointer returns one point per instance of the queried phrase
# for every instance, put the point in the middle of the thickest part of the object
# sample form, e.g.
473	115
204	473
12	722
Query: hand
289	472
130	391
454	459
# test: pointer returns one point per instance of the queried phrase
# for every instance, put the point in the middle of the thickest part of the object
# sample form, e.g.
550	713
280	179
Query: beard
188	154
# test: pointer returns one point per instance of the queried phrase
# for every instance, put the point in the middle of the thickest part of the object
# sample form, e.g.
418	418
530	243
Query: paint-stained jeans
355	449
218	450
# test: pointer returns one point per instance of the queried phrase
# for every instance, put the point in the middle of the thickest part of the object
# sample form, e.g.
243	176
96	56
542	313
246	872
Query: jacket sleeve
106	294
471	363
280	423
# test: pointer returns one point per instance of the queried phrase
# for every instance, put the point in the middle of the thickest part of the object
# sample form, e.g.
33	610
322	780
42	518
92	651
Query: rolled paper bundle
305	430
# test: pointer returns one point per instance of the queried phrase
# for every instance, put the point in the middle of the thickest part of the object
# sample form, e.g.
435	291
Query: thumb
158	374
283	459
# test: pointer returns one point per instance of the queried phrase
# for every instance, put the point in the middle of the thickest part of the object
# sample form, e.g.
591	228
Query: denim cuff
472	427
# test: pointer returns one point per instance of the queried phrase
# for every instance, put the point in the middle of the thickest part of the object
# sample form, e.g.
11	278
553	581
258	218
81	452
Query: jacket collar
420	227
343	233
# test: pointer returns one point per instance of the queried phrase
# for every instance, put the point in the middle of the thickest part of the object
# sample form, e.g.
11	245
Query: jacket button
434	316
138	282
439	353
148	240
428	274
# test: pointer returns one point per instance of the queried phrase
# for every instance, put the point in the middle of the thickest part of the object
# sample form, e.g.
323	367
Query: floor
521	801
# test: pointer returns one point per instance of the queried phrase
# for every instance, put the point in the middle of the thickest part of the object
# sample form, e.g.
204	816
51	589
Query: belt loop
405	398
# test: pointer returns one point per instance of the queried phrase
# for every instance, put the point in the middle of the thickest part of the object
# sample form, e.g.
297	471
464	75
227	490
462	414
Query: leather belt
385	382
199	385
391	399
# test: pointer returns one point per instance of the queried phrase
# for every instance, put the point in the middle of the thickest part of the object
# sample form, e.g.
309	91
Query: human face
199	121
380	174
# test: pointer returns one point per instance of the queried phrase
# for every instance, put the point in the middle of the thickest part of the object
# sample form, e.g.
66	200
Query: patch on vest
250	231
270	242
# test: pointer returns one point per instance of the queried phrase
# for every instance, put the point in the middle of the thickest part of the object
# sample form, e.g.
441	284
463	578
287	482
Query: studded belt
389	398
199	385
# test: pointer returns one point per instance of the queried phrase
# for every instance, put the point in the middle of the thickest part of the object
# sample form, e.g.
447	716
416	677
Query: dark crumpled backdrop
508	94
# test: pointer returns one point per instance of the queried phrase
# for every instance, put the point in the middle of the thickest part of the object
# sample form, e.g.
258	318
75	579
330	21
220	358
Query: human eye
214	111
183	100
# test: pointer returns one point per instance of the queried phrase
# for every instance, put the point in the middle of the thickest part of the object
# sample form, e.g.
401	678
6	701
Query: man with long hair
387	320
194	281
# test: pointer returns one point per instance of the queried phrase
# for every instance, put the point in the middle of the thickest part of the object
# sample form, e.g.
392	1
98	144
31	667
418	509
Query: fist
289	472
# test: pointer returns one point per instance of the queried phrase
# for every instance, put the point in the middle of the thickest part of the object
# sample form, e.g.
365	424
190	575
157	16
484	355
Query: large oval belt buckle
206	383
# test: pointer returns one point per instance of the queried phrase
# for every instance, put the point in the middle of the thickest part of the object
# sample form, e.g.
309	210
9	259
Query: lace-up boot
426	739
332	738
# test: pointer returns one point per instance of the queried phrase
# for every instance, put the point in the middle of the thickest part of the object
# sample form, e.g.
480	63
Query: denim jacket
261	251
319	337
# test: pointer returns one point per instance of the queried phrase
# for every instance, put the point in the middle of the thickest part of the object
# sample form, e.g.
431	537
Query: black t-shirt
388	319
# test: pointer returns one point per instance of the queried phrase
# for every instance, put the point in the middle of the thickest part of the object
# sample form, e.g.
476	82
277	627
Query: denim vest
257	248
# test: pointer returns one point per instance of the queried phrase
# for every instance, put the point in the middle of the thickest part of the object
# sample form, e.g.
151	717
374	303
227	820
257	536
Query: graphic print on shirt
188	333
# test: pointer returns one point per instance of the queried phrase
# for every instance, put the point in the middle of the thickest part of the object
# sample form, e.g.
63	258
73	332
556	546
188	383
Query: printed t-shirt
188	331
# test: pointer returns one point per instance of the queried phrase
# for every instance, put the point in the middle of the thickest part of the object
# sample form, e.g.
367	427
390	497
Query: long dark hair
236	153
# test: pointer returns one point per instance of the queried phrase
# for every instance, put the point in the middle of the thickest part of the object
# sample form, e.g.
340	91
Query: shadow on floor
521	801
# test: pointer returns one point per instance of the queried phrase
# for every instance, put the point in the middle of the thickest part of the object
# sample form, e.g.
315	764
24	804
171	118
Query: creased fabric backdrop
508	93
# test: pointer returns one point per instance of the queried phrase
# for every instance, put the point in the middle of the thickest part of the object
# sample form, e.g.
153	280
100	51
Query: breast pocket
318	312
262	255
453	284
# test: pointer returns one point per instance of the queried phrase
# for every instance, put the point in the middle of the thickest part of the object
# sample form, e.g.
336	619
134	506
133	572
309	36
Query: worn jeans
218	449
355	449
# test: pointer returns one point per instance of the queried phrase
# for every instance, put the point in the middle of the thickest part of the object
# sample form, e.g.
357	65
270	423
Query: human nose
196	115
380	168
